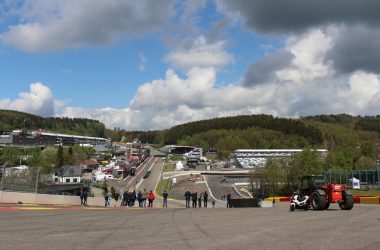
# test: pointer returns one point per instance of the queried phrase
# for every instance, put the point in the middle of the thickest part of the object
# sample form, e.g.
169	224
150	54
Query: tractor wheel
348	203
327	205
318	202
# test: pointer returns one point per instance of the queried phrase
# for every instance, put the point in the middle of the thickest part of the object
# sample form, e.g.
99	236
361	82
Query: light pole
38	175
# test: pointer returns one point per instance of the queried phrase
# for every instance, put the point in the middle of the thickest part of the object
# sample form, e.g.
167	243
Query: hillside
353	141
10	120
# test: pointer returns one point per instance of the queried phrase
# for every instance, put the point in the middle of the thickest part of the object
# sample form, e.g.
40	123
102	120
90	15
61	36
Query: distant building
67	174
174	149
17	138
256	158
89	165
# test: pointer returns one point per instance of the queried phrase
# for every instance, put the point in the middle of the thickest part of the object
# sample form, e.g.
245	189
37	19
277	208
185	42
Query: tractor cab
310	183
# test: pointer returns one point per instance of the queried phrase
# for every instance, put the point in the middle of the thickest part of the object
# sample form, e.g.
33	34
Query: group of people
195	197
129	198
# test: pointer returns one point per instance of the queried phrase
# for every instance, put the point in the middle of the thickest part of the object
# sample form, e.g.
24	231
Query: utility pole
2	178
38	175
2	182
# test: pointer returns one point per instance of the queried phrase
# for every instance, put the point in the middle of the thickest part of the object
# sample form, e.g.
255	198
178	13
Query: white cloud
200	53
39	100
54	25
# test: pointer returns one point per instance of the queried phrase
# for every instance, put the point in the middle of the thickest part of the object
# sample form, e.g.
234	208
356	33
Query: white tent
179	166
354	183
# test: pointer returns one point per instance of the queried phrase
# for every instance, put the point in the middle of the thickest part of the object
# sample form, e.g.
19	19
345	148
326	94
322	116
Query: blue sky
149	64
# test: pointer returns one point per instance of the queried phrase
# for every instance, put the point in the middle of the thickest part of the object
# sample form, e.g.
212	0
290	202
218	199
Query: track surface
219	228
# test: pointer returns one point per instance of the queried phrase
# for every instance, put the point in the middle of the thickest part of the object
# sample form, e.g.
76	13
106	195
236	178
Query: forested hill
10	120
283	125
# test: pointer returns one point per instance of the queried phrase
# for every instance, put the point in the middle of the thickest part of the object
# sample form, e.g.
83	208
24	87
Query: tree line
10	120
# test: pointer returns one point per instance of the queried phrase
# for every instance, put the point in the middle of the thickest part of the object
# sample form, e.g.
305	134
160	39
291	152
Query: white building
67	174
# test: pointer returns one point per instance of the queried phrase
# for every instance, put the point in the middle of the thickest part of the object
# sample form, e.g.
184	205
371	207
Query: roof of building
90	162
69	171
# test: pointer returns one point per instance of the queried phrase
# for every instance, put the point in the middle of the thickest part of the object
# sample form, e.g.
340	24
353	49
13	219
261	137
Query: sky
148	64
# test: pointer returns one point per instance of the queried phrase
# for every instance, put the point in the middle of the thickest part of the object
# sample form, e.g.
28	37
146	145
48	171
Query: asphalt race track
200	228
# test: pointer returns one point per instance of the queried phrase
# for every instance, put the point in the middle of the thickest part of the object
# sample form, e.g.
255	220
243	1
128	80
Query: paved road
245	228
218	189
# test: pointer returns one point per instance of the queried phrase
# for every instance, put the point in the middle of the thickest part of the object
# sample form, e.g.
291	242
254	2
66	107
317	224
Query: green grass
168	167
371	192
164	185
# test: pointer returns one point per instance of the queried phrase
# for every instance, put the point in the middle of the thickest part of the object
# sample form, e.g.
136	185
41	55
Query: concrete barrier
47	199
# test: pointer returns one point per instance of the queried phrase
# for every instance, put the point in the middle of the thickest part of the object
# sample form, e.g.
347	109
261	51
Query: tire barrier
244	202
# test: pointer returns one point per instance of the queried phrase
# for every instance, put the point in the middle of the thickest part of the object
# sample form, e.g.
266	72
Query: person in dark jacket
124	199
139	198
200	200
165	201
132	198
85	195
187	198
127	199
229	197
205	199
81	197
194	199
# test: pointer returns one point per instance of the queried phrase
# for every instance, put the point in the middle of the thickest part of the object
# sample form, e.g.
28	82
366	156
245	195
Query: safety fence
368	178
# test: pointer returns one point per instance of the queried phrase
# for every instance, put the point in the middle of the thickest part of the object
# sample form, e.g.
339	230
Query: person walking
144	197
187	198
150	198
132	198
205	199
85	195
106	198
165	201
124	199
229	204
81	197
116	197
109	197
273	202
213	203
194	199
200	200
139	198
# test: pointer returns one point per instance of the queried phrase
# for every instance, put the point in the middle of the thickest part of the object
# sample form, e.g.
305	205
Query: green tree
50	154
105	187
60	157
113	191
274	175
365	163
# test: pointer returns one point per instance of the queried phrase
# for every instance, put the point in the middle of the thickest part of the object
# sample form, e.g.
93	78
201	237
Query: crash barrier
367	199
241	202
278	199
357	199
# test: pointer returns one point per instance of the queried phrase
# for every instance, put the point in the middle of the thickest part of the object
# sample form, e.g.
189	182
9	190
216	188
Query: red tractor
322	194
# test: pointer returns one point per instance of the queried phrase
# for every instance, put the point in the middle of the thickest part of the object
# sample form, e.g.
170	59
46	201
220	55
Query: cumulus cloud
55	25
356	48
264	69
356	22
273	16
201	53
39	100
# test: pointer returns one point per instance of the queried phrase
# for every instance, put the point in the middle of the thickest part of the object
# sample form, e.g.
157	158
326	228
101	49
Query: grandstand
256	158
18	138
